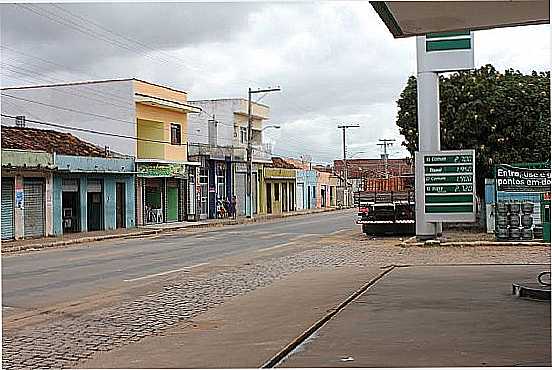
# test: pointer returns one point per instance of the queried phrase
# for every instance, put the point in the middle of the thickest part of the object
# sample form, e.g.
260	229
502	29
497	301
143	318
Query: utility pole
385	143
345	169
248	198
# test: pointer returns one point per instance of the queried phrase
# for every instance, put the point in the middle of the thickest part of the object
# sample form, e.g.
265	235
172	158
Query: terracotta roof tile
278	162
48	141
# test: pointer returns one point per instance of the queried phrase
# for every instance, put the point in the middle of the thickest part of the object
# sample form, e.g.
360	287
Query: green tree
505	117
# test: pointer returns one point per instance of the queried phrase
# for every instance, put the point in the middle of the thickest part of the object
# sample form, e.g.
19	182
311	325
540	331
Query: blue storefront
92	194
306	189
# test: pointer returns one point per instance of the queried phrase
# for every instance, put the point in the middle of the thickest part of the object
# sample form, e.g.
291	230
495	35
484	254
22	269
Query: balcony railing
260	153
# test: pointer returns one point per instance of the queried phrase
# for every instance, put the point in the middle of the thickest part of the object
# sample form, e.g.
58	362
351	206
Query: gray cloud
335	61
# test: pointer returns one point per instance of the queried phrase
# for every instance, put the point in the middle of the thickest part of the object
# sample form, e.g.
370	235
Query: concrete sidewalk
86	237
436	316
244	332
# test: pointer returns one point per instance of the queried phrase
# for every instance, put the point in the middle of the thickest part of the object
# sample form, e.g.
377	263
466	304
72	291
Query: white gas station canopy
415	18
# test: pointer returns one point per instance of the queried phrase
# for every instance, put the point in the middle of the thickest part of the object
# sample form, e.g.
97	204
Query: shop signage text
514	179
169	170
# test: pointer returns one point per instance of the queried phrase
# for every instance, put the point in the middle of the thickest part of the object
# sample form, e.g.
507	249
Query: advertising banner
515	179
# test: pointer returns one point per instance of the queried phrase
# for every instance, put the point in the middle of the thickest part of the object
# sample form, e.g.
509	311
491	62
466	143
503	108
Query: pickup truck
386	213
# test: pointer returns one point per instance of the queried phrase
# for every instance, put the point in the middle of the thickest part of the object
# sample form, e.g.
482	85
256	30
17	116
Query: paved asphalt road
60	275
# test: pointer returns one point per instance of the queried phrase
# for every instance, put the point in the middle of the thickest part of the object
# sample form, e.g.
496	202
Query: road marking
166	272
303	236
276	247
339	231
275	235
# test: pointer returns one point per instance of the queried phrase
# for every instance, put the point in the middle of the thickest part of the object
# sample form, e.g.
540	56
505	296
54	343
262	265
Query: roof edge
66	84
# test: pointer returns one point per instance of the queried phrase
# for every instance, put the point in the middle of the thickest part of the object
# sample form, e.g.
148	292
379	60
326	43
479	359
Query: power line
58	125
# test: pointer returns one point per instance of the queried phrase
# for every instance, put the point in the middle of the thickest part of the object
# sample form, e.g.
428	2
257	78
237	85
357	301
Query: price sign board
449	185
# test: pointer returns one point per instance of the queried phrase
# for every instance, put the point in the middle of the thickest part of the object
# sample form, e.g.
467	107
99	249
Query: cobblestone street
65	341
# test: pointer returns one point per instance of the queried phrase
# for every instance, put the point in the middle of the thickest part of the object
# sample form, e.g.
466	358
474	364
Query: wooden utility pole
345	170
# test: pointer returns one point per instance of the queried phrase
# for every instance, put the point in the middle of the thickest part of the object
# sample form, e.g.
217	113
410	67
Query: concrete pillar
83	199
19	225
139	203
49	195
429	141
57	222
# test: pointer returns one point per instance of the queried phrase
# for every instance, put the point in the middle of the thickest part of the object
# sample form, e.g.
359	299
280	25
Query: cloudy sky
335	61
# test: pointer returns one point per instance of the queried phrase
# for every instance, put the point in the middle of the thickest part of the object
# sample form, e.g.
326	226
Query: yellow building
165	189
277	187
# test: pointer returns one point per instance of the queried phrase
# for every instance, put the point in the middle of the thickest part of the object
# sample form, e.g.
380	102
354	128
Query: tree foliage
505	117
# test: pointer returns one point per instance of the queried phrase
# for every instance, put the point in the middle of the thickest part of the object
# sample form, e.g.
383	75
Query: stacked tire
501	221
514	221
527	220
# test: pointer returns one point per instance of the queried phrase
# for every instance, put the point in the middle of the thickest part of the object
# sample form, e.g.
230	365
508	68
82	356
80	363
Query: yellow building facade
165	190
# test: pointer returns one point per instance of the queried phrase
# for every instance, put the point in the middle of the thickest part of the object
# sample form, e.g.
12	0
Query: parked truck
387	207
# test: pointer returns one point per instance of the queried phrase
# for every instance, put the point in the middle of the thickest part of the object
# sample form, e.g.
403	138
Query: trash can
545	216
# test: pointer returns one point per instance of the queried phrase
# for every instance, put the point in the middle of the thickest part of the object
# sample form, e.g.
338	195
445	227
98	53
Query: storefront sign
449	185
161	170
514	179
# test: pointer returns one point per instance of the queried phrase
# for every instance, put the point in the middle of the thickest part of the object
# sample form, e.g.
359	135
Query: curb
475	243
143	232
295	343
58	243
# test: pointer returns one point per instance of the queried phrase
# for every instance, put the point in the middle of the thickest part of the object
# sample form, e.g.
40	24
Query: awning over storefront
414	18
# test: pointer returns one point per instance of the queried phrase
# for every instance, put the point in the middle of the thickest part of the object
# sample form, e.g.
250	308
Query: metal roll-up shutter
240	193
7	209
33	207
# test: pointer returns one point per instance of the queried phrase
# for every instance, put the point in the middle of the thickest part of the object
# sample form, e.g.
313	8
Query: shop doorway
94	205
120	205
70	205
172	200
153	200
268	198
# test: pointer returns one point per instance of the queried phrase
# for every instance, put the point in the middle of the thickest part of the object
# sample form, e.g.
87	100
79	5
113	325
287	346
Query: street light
271	126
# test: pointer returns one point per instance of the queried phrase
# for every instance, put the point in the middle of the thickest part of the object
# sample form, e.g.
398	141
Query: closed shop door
94	204
33	207
172	203
7	209
300	190
120	205
240	193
